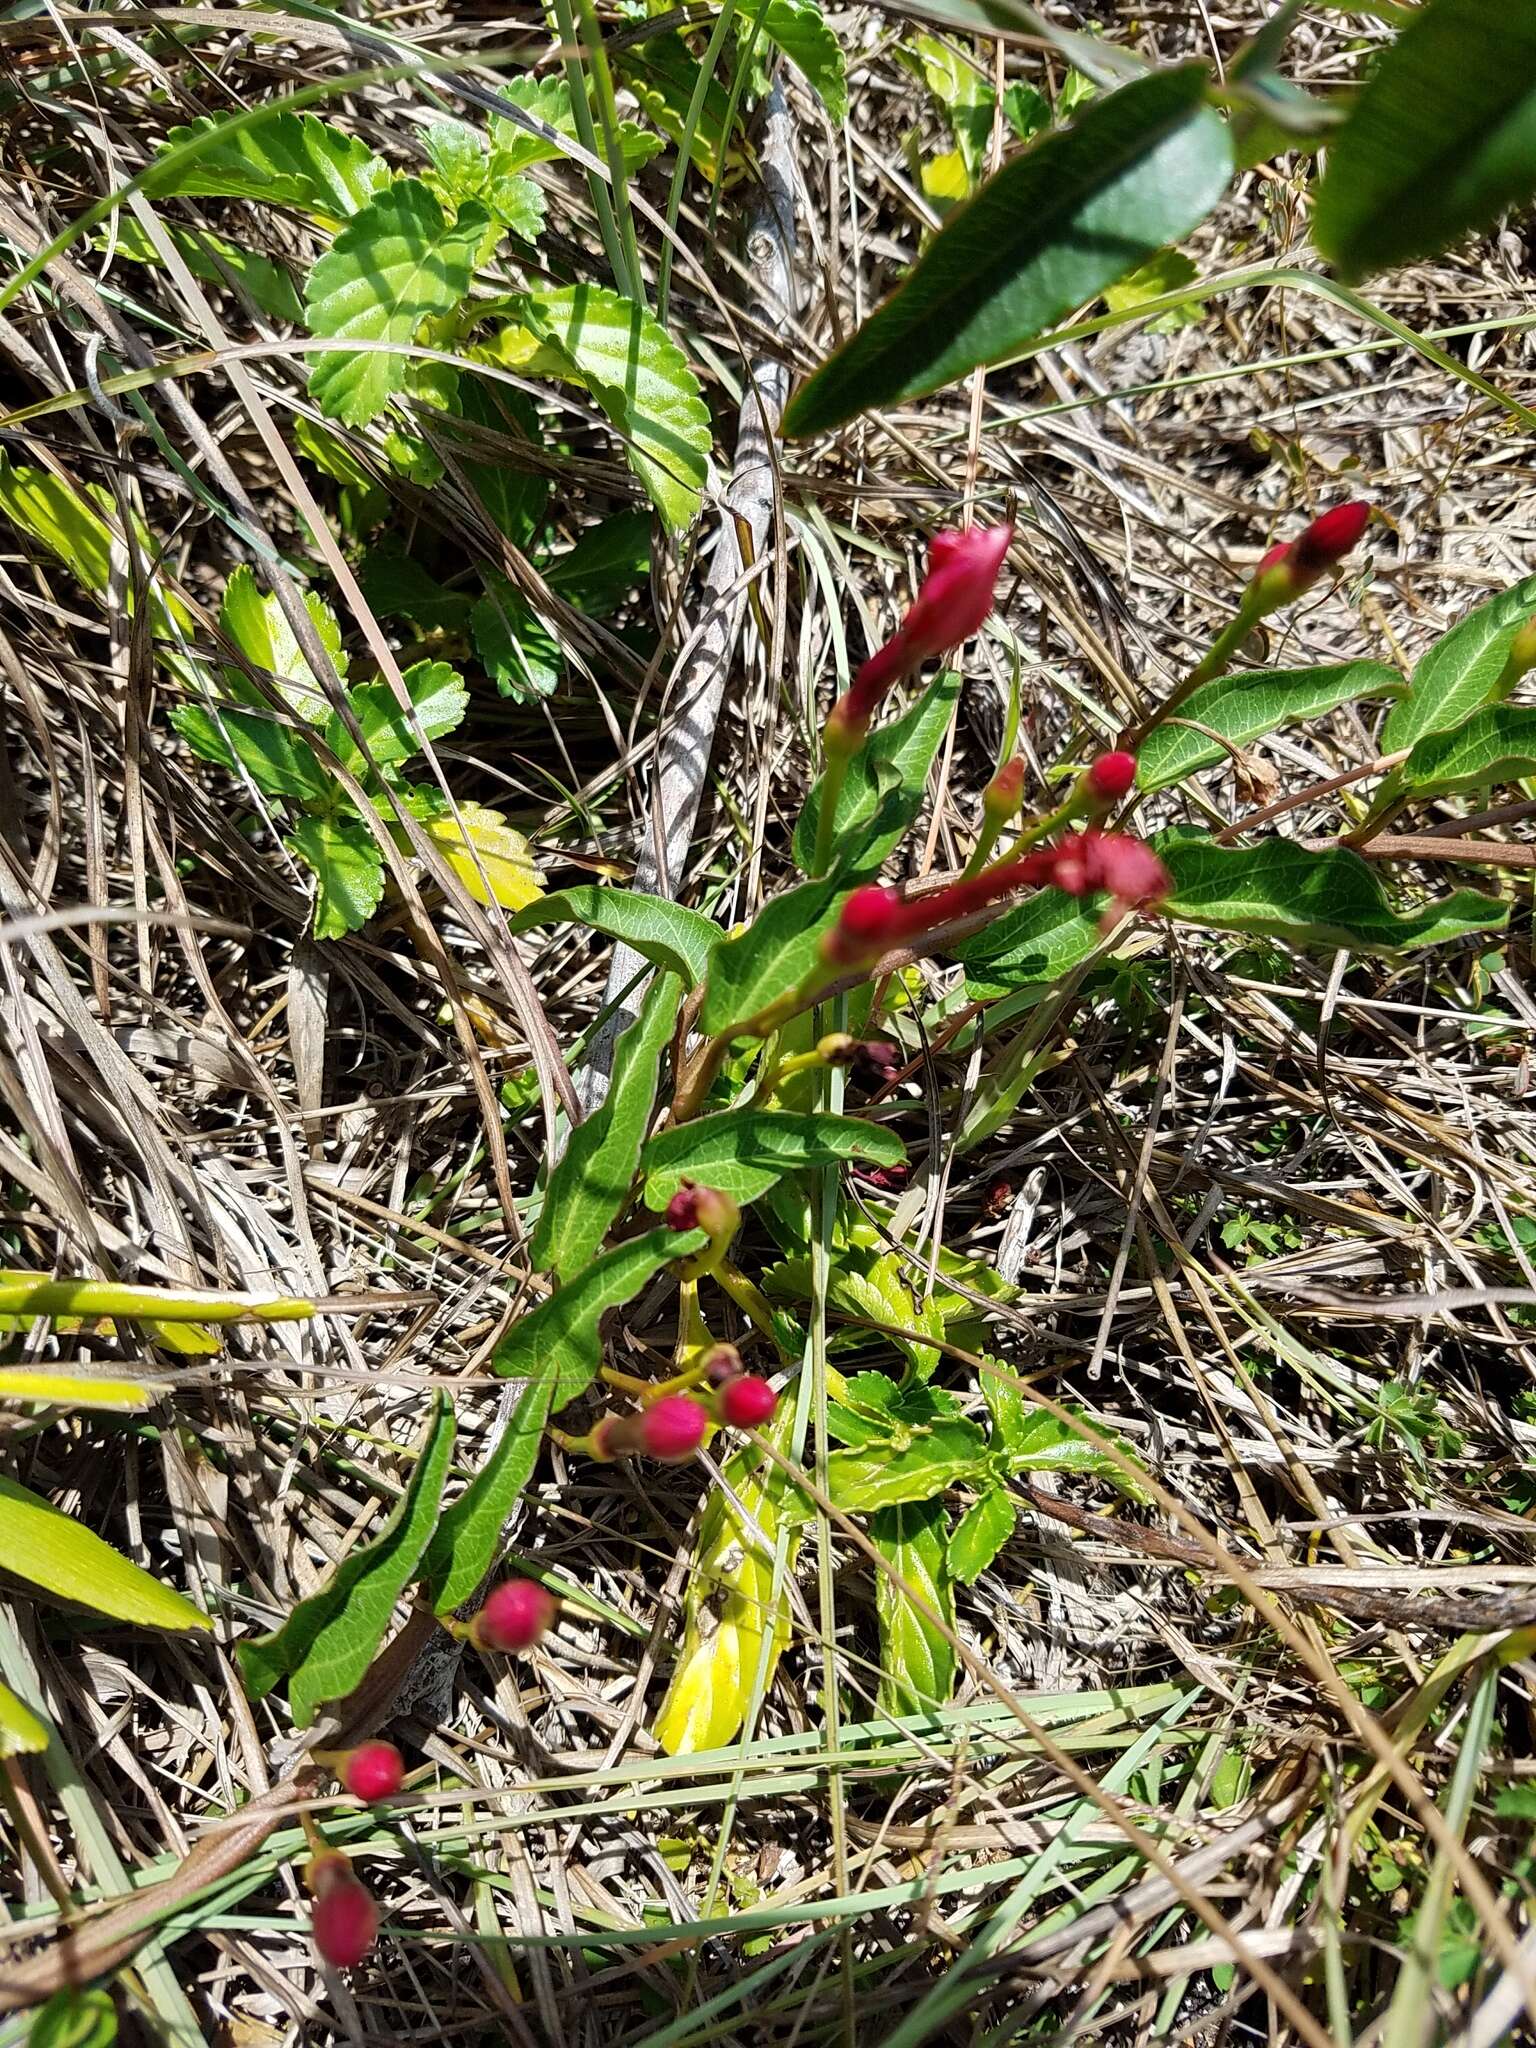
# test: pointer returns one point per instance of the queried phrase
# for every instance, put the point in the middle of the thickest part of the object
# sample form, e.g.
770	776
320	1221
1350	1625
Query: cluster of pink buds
744	1402
1291	568
669	1430
953	603
514	1617
344	1919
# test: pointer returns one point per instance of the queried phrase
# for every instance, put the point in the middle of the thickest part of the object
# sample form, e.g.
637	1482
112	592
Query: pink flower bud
746	1403
1111	777
514	1617
876	919
700	1208
1117	861
1005	792
1292	567
374	1770
871	1062
672	1428
953	603
344	1919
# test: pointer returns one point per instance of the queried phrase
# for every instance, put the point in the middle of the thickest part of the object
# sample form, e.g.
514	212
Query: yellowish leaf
50	1550
73	1389
503	854
21	1732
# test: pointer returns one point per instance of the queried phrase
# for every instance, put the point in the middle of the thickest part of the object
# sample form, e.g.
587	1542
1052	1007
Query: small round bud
707	1209
722	1364
344	1919
374	1770
1111	776
514	1617
672	1429
682	1212
746	1403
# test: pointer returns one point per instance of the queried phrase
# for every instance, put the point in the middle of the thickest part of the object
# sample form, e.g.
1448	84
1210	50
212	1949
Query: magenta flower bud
874	919
746	1403
1117	861
344	1919
708	1209
516	1614
1292	567
372	1771
672	1429
1110	777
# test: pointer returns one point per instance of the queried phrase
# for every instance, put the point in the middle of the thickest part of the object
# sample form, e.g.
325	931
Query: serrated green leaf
1044	1443
917	1661
560	1342
1245	707
216	261
608	561
1076	210
799	29
1494	745
438	697
1455	675
664	933
883	789
588	1187
881	1476
1329	898
641	380
21	1732
980	1534
466	168
744	1152
772	956
253	619
284	160
348	869
329	1640
1034	945
63	1557
549	100
76	527
1010	1413
467	1538
1441	140
517	649
277	759
662	73
393	265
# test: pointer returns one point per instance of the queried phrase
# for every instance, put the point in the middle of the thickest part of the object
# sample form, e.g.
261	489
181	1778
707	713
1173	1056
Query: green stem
833	777
1216	662
691	121
581	114
613	145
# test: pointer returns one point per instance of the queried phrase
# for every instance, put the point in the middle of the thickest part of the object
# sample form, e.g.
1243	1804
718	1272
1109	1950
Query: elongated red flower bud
1110	777
1117	861
374	1770
1005	792
952	604
344	1919
1291	568
516	1614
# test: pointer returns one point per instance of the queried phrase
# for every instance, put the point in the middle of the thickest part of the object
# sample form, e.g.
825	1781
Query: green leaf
253	619
799	29
1455	675
397	587
329	1640
772	956
69	525
1441	141
664	933
74	2018
52	1550
438	697
1075	211
518	651
549	100
466	169
883	789
348	870
216	261
392	265
745	1151
1044	1443
1247	706
607	562
930	1463
21	1732
641	379
1168	271
1330	898
662	73
588	1187
1494	745
917	1662
980	1534
284	160
560	1342
468	1537
1034	945
502	475
276	758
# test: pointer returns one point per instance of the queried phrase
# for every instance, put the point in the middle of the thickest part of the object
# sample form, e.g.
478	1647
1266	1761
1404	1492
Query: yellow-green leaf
21	1732
63	1557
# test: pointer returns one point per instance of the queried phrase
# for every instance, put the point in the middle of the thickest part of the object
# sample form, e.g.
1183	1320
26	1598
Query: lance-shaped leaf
744	1152
772	956
1031	946
329	1640
981	1533
587	1188
1495	745
1242	708
882	791
664	933
21	1732
467	1539
1081	207
53	1551
1455	675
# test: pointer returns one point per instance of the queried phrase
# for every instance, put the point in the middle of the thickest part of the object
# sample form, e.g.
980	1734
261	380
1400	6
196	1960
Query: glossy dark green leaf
516	648
664	933
1138	169
773	956
1455	675
1441	141
745	1151
329	1640
883	789
607	562
1033	945
917	1660
588	1187
1243	708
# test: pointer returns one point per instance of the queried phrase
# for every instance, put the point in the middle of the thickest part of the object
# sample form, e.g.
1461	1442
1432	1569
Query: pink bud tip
708	1209
1111	776
345	1919
869	922
682	1212
1005	792
374	1770
958	591
672	1429
1330	537
1117	861
514	1617
747	1403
